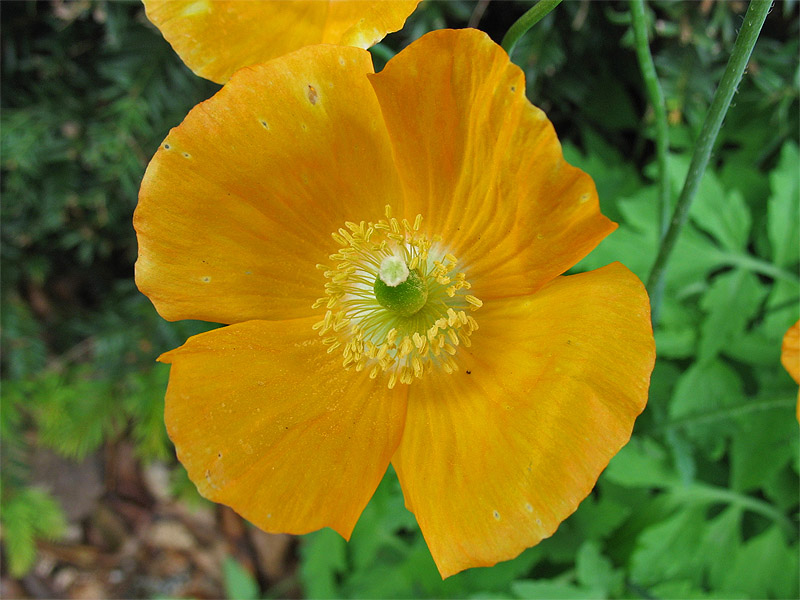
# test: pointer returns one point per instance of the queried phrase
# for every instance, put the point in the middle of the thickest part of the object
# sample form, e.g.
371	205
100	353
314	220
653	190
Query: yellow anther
453	335
473	301
464	336
418	340
416	363
406	347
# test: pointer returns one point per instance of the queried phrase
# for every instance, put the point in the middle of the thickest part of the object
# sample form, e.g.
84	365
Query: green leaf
685	589
667	550
75	412
765	567
144	402
725	216
721	541
599	515
323	561
763	446
676	335
375	535
706	387
29	514
596	572
783	209
730	303
552	590
239	582
641	463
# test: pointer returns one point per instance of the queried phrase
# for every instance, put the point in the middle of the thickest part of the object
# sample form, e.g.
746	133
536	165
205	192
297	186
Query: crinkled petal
215	38
238	204
269	423
496	455
790	356
483	165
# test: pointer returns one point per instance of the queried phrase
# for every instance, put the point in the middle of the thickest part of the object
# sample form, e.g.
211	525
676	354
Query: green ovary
406	298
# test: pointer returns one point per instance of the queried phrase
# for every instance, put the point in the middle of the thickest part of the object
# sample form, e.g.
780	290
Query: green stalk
756	265
656	97
742	49
708	493
724	414
538	12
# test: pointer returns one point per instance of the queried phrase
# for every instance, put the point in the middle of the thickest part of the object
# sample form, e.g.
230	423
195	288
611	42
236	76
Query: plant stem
525	22
656	97
723	414
756	265
742	49
709	493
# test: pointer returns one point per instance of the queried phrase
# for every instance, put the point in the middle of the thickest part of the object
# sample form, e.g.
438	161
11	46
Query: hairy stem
742	49
525	22
656	97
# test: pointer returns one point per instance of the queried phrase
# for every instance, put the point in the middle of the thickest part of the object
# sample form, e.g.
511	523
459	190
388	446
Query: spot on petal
528	507
196	8
205	279
264	124
312	94
584	198
496	515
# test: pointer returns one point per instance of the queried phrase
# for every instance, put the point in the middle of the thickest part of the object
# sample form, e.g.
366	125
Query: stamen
394	302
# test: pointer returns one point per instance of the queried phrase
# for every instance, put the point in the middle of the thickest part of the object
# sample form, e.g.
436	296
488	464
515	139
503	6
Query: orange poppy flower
217	37
437	334
790	356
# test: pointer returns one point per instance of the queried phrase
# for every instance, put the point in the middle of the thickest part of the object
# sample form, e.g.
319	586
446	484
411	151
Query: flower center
395	302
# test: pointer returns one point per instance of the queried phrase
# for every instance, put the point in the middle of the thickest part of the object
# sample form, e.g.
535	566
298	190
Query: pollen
396	301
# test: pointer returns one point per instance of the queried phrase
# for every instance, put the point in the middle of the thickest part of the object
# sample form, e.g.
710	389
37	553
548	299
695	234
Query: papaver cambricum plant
387	251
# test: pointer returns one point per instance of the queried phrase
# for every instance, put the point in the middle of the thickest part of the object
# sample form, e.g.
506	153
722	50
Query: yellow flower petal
483	165
217	37
790	356
496	455
267	422
238	204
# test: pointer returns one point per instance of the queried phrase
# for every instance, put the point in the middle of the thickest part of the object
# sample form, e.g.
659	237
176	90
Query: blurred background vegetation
703	503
